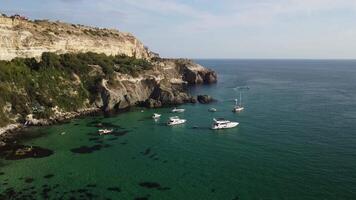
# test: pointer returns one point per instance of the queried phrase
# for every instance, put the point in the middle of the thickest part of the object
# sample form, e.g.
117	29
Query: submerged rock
14	151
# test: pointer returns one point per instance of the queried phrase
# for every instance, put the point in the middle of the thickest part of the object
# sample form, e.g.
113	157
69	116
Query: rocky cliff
72	80
24	38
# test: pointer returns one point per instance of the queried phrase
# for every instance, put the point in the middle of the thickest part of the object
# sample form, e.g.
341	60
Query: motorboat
223	124
175	121
178	110
156	116
105	131
212	110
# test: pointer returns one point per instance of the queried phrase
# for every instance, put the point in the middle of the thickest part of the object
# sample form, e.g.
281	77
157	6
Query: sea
296	140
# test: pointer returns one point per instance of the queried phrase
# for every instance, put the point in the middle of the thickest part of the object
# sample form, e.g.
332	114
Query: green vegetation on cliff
69	81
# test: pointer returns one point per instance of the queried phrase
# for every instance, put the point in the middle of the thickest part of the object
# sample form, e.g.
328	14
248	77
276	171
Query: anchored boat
238	107
105	131
156	116
175	121
178	110
223	124
212	110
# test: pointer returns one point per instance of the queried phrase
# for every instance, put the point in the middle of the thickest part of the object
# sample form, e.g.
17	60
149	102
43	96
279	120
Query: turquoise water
296	140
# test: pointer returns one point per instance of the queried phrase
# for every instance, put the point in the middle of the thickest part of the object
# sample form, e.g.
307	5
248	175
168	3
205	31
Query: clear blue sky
215	28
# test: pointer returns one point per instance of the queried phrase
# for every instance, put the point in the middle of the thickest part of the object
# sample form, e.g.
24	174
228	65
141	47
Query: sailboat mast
240	99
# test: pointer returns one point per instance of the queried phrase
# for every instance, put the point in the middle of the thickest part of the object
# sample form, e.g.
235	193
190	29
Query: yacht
156	116
212	110
222	124
178	110
105	131
238	107
175	121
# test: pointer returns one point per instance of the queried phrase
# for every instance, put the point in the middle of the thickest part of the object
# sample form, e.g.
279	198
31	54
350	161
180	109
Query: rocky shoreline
10	131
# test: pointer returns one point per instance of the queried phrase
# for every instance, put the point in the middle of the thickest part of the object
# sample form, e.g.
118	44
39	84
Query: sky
296	29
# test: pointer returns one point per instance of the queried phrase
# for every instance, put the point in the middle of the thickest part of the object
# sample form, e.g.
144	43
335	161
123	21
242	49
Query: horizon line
331	59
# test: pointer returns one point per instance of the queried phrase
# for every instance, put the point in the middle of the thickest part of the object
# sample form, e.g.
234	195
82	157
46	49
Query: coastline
10	131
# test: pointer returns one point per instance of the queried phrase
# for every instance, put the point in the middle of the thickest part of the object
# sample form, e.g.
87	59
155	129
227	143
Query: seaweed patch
86	149
12	151
48	176
114	189
153	185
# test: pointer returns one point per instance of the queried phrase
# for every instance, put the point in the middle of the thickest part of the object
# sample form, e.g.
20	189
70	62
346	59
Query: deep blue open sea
296	140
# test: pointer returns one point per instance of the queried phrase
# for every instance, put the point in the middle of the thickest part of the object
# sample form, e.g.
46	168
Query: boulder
152	103
205	99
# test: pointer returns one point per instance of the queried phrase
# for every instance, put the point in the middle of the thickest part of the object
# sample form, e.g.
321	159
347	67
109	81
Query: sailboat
238	107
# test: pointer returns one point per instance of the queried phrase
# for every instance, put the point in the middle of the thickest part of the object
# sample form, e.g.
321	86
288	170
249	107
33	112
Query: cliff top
58	27
21	37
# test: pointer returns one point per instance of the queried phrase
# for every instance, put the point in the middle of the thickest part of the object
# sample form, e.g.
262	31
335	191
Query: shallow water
296	140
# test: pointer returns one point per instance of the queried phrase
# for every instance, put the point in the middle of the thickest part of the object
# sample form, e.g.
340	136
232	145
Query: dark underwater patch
147	151
119	133
141	198
153	185
91	185
236	198
94	139
114	189
163	188
12	151
50	192
86	149
99	124
150	185
48	176
152	155
29	180
82	190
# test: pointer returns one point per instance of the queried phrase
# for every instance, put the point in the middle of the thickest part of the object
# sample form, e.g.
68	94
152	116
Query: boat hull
238	109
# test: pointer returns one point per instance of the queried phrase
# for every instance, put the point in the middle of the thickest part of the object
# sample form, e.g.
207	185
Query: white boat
212	110
238	107
178	110
175	121
223	124
156	116
105	131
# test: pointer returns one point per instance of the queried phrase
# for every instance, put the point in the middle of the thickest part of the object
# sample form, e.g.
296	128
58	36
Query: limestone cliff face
165	84
23	38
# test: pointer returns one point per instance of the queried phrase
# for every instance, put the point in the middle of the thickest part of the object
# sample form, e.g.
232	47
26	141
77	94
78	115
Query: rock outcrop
164	85
205	99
